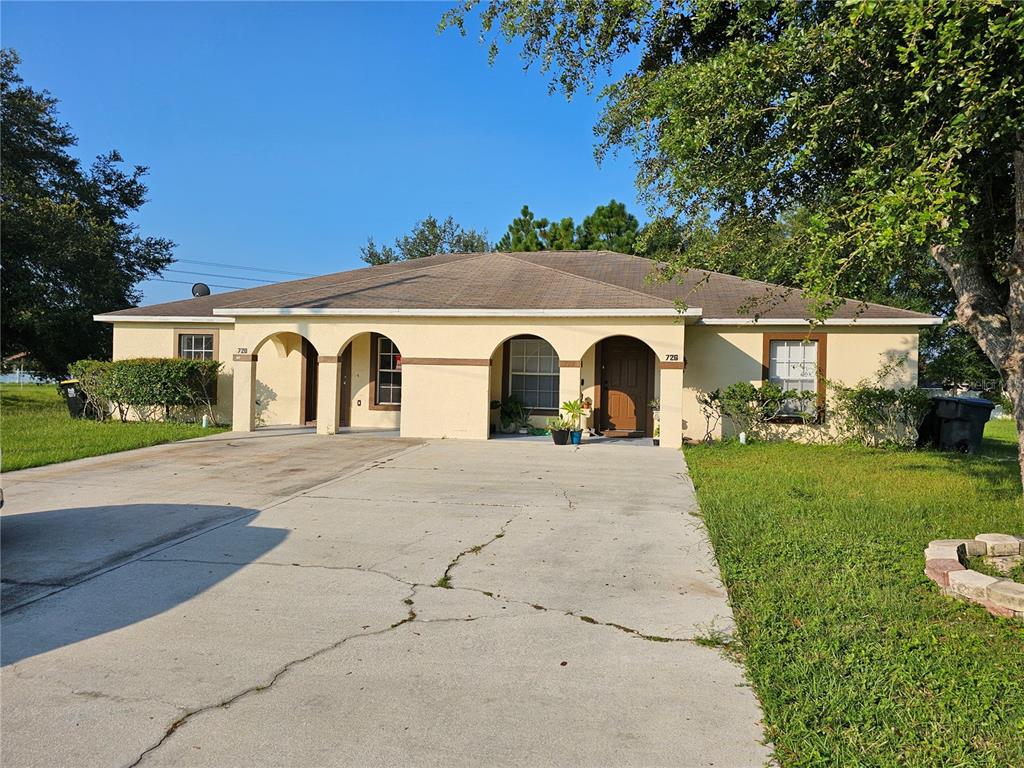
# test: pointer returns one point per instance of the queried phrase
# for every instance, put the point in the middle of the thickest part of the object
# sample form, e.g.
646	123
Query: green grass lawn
35	429
856	657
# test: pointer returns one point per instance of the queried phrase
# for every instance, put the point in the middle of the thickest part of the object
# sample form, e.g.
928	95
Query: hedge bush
168	388
870	414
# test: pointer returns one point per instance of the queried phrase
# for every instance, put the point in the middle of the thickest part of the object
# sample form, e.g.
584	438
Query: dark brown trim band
446	361
244	358
328	359
570	363
672	366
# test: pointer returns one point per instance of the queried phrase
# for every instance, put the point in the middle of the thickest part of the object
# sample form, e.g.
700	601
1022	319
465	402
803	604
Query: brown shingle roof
529	281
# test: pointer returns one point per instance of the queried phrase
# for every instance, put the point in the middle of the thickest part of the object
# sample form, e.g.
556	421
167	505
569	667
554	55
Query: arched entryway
286	381
624	385
370	382
526	368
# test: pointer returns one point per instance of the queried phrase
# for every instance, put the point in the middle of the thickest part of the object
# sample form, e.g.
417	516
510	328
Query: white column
328	391
671	384
243	402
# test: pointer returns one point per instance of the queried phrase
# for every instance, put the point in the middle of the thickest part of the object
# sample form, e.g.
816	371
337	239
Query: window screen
533	373
389	372
196	346
793	364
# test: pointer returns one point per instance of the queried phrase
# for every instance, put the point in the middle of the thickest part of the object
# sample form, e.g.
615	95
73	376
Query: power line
212	274
249	269
189	282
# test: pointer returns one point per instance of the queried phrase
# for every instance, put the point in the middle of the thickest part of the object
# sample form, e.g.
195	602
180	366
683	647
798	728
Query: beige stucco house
427	346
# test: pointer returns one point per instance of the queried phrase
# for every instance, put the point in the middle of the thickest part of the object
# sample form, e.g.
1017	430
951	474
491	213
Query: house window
388	374
796	363
533	373
195	346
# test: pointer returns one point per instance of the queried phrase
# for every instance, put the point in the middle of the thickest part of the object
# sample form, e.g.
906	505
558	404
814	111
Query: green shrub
875	415
868	413
754	410
172	389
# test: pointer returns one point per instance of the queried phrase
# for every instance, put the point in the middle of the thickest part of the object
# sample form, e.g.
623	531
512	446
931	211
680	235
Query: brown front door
310	371
627	368
345	412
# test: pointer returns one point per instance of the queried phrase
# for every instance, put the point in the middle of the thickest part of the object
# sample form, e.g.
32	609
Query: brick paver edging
944	564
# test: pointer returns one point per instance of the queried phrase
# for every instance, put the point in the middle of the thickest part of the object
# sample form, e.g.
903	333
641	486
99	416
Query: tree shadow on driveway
51	555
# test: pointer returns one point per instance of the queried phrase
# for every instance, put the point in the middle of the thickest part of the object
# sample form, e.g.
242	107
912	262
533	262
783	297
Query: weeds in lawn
856	658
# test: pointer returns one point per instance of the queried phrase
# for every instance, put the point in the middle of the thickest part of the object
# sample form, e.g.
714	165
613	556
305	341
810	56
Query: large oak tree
69	247
896	128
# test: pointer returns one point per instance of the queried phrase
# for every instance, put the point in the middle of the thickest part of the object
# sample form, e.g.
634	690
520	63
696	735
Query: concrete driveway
282	600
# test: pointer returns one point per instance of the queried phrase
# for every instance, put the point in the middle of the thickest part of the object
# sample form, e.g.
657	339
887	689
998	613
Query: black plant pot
560	436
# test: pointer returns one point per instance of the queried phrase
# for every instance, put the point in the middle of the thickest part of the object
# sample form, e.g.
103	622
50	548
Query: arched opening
524	369
370	387
286	380
619	375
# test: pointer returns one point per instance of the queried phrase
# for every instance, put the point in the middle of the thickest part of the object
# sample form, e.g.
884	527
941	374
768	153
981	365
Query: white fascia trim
889	321
160	319
331	312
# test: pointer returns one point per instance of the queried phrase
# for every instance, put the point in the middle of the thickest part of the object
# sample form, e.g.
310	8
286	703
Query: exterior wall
472	339
463	337
446	401
718	356
452	367
158	340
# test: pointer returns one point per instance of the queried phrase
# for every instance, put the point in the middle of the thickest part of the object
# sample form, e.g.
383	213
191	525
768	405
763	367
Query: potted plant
655	406
559	430
512	415
574	416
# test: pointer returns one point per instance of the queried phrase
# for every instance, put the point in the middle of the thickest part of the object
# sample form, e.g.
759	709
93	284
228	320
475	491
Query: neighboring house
427	345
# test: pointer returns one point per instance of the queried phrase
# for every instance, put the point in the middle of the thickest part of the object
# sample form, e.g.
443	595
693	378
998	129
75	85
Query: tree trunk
1014	369
997	327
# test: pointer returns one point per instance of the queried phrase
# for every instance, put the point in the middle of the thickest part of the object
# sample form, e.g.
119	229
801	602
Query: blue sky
282	135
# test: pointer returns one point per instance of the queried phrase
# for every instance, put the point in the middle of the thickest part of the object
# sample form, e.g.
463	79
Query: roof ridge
357	281
646	296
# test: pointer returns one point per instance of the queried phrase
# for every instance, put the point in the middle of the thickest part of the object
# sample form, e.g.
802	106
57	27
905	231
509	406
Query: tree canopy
69	247
895	130
427	238
610	227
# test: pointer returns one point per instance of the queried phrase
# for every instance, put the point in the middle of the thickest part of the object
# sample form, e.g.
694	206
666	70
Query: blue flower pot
576	435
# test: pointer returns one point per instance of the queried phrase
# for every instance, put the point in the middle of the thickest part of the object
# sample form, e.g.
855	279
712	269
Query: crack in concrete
410	618
582	617
445	582
569	500
260	687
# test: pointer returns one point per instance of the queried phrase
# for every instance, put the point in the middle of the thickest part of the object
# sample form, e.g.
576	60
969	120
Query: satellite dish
200	289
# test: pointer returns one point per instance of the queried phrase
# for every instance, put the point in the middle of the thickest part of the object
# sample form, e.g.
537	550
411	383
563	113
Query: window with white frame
533	372
793	364
195	346
389	373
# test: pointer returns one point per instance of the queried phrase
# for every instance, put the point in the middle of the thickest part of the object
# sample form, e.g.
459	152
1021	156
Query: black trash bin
75	398
955	423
